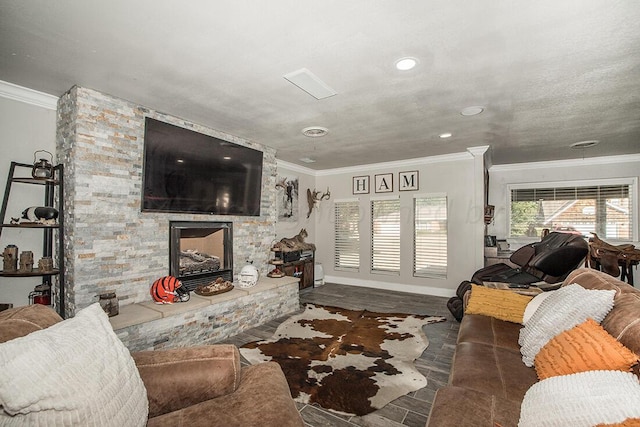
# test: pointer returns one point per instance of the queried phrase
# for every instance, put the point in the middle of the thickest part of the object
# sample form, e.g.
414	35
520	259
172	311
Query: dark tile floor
435	363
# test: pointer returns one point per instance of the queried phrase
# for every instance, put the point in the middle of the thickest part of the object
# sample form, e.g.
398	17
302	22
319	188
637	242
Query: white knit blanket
74	373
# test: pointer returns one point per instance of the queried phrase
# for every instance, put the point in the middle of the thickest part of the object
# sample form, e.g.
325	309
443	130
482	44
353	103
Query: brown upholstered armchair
196	386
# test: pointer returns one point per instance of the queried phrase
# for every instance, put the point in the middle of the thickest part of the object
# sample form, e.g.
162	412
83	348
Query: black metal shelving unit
50	185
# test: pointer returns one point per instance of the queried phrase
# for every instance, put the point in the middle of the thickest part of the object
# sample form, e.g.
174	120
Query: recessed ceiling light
307	160
585	144
179	161
405	64
446	135
227	157
315	131
472	111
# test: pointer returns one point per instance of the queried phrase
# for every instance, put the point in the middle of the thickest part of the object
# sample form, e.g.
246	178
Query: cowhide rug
348	361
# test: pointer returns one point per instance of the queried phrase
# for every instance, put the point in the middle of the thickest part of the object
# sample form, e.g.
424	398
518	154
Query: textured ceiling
549	73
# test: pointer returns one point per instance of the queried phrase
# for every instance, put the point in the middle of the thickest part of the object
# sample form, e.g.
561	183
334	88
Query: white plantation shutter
605	208
385	236
430	236
347	235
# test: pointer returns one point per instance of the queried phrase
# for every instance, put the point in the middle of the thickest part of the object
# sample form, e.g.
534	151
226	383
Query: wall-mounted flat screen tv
187	171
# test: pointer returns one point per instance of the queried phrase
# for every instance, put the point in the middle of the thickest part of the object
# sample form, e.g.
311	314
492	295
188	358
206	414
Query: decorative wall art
384	183
287	198
408	181
314	197
361	185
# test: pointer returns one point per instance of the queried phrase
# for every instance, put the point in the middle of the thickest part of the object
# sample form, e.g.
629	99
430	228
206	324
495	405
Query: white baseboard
399	287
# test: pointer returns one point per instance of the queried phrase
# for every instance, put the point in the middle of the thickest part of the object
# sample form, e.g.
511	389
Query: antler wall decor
314	197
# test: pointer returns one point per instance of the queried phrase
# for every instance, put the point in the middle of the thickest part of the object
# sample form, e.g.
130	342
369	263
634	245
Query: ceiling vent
310	83
472	111
315	131
585	144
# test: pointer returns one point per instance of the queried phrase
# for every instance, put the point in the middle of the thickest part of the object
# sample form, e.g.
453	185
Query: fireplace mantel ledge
135	314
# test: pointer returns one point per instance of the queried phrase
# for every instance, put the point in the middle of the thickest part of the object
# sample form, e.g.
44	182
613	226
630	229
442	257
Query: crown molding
591	161
384	165
28	96
479	150
295	168
396	164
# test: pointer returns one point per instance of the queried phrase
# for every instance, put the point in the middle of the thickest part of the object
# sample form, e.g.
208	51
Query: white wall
27	124
500	176
459	176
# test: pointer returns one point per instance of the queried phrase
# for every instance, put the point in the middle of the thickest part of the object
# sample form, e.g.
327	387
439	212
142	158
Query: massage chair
549	260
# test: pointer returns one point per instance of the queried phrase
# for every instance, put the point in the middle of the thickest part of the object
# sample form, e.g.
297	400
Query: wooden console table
302	268
498	258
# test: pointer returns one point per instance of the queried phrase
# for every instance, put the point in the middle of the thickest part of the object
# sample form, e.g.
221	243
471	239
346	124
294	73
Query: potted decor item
216	287
249	276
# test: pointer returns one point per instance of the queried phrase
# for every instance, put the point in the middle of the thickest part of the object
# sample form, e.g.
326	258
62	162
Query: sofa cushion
589	278
76	372
629	422
623	322
566	308
489	330
194	374
491	370
21	321
583	399
499	303
585	347
457	406
534	305
262	399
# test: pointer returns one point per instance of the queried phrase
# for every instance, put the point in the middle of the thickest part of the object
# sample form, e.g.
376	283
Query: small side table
532	290
499	257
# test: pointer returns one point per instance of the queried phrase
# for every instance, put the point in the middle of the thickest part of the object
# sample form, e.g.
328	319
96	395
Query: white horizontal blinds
602	209
385	236
347	235
430	236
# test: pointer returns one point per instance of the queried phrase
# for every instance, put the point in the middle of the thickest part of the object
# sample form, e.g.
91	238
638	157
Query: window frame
632	182
372	200
430	274
335	246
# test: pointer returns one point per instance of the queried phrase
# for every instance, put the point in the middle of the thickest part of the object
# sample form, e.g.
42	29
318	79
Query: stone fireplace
200	252
110	244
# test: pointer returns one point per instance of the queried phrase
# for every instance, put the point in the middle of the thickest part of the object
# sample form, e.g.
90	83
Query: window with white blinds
604	208
347	235
430	236
385	236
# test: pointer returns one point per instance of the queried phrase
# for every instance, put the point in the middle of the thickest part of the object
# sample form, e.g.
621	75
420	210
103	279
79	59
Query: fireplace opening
200	252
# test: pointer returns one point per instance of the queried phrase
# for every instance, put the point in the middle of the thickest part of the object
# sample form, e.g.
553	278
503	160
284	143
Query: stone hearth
205	320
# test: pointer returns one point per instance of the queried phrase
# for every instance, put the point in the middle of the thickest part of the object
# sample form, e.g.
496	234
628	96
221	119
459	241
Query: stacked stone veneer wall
213	323
110	245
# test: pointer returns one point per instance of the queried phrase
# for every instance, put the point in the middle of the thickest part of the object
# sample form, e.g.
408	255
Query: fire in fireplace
200	252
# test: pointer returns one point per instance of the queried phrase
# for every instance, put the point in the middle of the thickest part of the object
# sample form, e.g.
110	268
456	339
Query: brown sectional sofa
196	386
488	379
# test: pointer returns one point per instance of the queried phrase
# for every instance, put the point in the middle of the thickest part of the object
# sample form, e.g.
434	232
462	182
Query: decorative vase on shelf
248	276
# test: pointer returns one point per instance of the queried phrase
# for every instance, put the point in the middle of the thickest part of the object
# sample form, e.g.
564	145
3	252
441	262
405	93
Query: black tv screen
187	171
